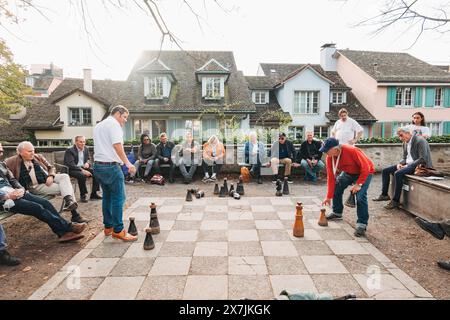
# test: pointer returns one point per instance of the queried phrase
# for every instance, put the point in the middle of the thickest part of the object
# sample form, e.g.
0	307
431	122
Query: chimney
87	80
375	67
327	61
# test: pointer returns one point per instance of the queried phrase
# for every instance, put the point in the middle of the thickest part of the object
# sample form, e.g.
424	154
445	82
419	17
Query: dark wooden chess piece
278	185
222	193
240	186
216	189
189	195
351	200
132	227
154	223
231	192
285	186
225	185
149	244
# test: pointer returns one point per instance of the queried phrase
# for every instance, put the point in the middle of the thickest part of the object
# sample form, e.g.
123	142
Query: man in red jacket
347	165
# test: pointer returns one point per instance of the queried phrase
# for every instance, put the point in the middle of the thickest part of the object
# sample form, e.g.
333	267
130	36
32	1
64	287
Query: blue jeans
113	185
148	167
43	210
312	172
362	207
2	239
398	180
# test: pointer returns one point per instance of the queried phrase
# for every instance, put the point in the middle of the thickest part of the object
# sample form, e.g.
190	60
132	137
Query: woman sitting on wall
213	154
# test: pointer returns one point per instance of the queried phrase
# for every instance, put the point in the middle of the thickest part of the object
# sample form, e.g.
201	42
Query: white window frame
155	87
306	97
260	97
213	88
293	130
435	128
404	93
81	112
142	130
338	97
322	129
151	128
439	100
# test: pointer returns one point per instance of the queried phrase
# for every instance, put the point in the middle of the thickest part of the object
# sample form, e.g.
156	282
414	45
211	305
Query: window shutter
146	88
429	97
253	97
418	97
344	97
204	87
222	87
446	129
267	97
391	91
446	97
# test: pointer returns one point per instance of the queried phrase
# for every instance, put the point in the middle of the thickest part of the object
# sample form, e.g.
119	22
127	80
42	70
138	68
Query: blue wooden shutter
446	97
429	97
391	92
446	130
418	97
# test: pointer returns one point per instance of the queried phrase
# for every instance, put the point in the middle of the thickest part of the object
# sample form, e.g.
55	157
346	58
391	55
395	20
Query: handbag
423	171
158	179
245	173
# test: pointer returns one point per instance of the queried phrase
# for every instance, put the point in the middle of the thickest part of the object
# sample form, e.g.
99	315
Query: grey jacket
420	152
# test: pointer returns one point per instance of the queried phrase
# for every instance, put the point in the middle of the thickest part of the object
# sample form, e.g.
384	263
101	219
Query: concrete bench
425	198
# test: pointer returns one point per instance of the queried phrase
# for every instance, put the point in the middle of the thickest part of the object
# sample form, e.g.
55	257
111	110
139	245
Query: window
321	132
306	102
178	127
404	97
260	97
79	117
213	88
29	81
155	87
209	127
141	126
438	97
338	97
158	126
53	143
435	128
295	133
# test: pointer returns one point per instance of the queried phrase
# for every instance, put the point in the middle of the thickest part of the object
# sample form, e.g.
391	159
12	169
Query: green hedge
432	139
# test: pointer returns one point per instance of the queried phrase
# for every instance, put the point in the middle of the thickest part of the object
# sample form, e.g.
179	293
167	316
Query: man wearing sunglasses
416	150
282	151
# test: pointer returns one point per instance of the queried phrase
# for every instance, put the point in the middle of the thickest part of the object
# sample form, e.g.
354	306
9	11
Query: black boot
434	229
76	217
444	265
69	203
7	260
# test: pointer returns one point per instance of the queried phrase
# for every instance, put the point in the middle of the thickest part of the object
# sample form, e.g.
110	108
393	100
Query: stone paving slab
220	248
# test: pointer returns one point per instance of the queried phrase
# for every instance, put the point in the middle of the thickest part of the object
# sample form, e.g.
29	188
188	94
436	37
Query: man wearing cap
347	165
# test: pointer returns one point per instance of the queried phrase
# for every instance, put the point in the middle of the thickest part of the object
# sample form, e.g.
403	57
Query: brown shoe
70	236
78	227
108	231
122	235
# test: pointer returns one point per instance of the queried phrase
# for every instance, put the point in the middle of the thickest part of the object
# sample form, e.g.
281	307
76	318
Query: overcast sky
289	31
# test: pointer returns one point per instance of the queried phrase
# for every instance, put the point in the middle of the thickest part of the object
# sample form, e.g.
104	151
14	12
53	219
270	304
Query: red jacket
353	161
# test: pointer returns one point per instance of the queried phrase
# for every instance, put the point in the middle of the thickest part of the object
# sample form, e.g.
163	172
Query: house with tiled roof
393	86
167	91
44	78
310	94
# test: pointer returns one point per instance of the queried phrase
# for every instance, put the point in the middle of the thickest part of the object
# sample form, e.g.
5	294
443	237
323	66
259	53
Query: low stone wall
382	155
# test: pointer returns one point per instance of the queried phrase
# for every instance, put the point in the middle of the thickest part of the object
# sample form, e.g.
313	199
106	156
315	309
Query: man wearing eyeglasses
416	150
282	151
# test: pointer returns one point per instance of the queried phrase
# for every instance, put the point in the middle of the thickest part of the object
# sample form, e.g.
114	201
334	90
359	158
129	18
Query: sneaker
213	177
382	197
206	178
84	198
7	260
392	205
290	179
69	203
334	216
360	232
77	218
122	235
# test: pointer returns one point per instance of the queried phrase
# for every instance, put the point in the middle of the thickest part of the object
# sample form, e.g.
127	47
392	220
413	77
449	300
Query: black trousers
159	162
81	178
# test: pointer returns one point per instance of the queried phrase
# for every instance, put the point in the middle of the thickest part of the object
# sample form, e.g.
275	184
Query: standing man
310	157
347	165
164	155
109	155
282	151
416	150
80	167
346	129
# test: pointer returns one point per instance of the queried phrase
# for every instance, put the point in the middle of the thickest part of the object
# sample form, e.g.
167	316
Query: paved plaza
222	248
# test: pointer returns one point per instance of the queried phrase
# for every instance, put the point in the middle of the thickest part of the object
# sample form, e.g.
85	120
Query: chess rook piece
132	227
299	228
149	244
278	185
216	189
236	196
222	193
323	222
154	223
285	186
240	187
189	195
351	200
225	185
231	192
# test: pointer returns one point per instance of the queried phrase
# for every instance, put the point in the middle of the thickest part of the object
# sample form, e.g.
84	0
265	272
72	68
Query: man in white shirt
346	129
109	155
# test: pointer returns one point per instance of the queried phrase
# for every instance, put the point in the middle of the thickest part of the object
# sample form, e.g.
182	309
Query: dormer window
155	90
214	88
338	97
260	97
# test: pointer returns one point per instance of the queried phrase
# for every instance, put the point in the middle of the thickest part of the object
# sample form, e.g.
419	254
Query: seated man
146	155
213	154
416	150
5	258
310	157
190	157
282	151
14	198
347	165
164	155
439	231
38	176
255	154
80	167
